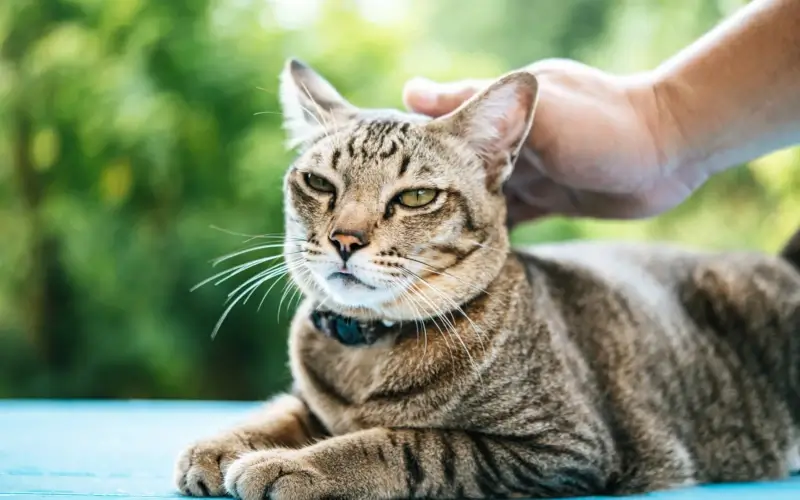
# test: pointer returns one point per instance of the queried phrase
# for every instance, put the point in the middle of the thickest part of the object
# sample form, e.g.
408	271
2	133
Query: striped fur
569	369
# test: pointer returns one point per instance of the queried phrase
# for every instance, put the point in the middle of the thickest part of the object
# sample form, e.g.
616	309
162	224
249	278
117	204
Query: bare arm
734	94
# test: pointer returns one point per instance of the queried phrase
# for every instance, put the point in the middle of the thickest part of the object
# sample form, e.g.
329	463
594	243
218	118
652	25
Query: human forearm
734	95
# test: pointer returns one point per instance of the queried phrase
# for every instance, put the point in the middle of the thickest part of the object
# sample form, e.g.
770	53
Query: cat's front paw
200	468
278	474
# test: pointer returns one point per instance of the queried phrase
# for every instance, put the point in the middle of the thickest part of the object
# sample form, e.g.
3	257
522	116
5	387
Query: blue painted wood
125	450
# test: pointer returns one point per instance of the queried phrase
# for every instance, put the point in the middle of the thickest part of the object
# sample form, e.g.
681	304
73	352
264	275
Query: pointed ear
496	122
310	104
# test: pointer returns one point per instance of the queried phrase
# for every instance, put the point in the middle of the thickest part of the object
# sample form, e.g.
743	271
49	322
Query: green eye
416	198
317	183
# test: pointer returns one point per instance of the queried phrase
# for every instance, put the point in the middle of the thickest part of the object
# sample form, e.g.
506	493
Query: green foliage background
129	127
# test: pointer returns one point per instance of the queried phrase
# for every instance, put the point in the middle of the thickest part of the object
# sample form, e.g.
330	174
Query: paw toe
275	475
198	471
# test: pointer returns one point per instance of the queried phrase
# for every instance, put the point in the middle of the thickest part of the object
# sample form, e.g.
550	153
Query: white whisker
229	308
252	236
487	247
456	306
434	315
261	302
274	273
231	255
419	318
326	127
451	321
440	272
234	271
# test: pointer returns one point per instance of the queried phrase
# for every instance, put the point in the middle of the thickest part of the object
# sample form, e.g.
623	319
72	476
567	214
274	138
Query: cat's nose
348	242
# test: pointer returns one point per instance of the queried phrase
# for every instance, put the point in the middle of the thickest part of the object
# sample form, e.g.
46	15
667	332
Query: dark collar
350	331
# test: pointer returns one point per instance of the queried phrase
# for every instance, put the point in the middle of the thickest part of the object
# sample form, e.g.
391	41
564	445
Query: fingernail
422	92
422	83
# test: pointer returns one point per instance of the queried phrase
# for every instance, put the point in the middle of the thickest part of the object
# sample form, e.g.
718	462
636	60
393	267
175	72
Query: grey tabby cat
431	361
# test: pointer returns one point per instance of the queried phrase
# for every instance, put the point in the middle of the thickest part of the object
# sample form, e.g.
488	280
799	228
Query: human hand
601	146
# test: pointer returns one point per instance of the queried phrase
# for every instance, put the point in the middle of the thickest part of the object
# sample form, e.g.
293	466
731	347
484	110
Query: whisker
323	124
219	260
442	272
229	308
456	306
303	272
406	297
249	287
253	248
326	127
266	274
286	289
264	297
487	247
434	314
234	271
245	235
296	297
263	280
433	318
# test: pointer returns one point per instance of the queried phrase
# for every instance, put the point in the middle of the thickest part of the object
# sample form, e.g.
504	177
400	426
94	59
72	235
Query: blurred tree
123	119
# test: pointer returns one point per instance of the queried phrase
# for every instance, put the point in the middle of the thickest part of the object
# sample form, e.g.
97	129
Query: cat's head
395	215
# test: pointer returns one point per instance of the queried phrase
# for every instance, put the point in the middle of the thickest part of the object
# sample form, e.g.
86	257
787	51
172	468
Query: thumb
436	99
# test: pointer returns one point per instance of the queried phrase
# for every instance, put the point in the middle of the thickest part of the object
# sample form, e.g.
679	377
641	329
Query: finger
436	99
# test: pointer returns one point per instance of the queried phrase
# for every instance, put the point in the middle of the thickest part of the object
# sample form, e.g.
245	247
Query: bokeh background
130	128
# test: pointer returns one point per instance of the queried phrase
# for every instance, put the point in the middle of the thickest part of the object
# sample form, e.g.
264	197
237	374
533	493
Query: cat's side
581	368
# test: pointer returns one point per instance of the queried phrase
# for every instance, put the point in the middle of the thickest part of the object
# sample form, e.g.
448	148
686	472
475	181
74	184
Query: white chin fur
357	296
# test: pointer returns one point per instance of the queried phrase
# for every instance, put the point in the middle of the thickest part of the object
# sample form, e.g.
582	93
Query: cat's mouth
348	280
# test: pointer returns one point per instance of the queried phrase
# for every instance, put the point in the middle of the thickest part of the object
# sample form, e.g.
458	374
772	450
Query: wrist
666	104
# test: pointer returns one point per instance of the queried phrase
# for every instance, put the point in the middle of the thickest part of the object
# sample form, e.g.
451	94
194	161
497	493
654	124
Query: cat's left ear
310	104
496	122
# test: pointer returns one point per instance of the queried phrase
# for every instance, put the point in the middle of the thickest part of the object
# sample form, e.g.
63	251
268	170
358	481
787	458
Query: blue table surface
126	449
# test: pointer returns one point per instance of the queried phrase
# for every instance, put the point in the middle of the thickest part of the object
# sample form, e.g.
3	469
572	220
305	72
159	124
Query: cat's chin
349	294
369	307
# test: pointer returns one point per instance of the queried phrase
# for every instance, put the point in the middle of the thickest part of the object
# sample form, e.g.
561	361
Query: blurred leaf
116	182
45	148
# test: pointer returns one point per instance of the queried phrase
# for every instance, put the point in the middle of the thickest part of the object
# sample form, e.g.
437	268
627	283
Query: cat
432	361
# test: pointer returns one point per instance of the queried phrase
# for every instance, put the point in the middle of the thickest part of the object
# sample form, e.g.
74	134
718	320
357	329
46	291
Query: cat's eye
318	183
415	198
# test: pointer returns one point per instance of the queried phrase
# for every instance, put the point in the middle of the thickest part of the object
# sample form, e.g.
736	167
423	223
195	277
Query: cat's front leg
285	422
388	464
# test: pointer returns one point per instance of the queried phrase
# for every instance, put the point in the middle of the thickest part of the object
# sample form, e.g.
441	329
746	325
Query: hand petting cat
609	146
592	150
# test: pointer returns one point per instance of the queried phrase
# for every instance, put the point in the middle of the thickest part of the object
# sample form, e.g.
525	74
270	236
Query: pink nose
348	242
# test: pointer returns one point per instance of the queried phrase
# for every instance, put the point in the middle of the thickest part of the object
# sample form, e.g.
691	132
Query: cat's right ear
310	104
495	123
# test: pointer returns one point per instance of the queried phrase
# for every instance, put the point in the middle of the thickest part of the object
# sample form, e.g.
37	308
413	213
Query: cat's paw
200	469
278	474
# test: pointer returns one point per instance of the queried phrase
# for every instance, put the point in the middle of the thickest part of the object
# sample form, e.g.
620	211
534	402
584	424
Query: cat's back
661	331
635	305
667	287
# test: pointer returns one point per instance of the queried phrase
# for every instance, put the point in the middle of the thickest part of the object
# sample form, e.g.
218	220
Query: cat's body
581	368
640	367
